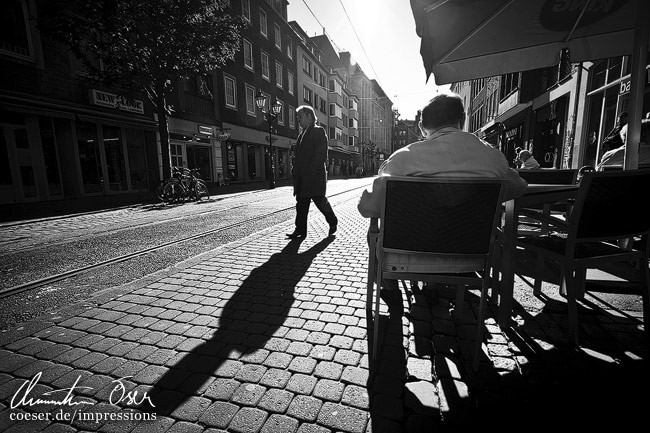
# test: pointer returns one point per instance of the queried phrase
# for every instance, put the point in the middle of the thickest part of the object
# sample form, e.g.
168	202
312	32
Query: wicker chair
434	230
606	210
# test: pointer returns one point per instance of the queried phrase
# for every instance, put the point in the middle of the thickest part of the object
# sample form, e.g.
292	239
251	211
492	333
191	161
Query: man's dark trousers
302	212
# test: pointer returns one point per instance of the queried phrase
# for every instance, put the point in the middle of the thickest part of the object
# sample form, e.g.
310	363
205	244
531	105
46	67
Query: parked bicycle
185	184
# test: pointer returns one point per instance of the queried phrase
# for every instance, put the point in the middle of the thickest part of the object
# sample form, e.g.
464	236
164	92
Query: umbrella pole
637	84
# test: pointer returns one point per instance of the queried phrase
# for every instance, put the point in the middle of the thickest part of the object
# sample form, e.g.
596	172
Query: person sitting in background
616	137
526	161
616	157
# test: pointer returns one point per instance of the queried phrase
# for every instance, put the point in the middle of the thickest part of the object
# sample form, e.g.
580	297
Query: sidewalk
54	208
267	335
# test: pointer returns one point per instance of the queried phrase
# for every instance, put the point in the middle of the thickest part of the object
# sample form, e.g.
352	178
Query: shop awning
467	39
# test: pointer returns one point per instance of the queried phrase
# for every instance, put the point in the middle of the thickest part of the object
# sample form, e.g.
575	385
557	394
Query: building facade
561	114
64	137
60	134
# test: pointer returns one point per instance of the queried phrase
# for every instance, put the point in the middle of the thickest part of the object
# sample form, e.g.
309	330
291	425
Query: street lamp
270	116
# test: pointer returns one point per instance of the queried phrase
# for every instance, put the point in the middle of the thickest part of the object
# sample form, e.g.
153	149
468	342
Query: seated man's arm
370	203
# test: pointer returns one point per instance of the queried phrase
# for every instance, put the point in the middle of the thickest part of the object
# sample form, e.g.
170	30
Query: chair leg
539	271
478	344
645	292
580	281
375	319
569	286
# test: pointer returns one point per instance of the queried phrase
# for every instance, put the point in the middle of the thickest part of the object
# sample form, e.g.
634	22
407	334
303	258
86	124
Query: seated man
446	151
616	157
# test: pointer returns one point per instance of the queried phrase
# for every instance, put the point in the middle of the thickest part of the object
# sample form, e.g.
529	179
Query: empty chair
606	209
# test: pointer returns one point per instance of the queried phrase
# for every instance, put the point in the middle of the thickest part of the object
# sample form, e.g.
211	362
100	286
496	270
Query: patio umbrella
467	39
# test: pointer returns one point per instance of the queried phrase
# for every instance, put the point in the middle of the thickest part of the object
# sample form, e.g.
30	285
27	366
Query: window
266	73
336	111
278	74
306	65
281	115
478	85
509	83
278	37
290	84
263	26
248	55
307	95
250	100
246	9
230	91
289	49
15	37
291	115
323	105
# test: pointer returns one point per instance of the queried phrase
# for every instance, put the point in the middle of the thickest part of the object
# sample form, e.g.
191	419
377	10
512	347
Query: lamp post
270	116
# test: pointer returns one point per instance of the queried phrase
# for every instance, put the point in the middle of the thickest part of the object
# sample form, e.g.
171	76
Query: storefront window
48	142
254	160
234	161
136	154
89	160
115	163
5	169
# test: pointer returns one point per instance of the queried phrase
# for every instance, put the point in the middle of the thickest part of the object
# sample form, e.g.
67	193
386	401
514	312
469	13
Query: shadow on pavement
248	321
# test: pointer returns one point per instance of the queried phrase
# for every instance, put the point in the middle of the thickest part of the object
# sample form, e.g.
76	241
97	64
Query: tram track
45	281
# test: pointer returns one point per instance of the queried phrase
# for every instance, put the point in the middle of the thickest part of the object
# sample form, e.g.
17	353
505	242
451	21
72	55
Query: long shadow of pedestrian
249	319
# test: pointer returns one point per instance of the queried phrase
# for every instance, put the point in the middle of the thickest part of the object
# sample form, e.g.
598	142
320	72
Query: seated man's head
443	110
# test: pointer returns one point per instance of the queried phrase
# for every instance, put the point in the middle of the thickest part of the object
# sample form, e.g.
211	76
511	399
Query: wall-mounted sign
110	100
207	130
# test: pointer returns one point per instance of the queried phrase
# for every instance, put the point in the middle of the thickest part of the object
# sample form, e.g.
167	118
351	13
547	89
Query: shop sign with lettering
207	130
110	100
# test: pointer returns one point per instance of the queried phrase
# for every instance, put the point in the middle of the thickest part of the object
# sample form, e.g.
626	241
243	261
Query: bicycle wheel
201	191
173	192
160	191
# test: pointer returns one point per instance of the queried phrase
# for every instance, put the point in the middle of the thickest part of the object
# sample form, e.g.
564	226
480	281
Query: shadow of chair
434	230
605	211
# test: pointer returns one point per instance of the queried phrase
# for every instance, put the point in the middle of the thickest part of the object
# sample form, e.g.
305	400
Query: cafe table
536	195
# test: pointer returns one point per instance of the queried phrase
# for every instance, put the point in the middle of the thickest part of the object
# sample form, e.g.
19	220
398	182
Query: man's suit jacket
309	165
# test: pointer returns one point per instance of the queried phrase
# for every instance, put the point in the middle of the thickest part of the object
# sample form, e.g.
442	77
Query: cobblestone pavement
269	335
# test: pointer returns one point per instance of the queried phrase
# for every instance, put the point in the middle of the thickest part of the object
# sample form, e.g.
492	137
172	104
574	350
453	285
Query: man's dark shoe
296	235
332	230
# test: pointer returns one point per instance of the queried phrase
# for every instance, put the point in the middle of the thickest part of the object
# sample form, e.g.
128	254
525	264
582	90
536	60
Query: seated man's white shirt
449	152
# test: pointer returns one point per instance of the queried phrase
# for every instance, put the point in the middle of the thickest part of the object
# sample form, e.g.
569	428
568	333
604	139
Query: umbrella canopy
467	39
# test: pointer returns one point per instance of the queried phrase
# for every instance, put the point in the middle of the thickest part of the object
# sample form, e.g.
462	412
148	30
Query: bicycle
184	184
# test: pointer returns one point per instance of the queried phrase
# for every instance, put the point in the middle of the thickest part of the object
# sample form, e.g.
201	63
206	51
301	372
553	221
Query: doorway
199	157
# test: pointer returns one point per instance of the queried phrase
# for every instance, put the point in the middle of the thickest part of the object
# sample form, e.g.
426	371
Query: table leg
507	264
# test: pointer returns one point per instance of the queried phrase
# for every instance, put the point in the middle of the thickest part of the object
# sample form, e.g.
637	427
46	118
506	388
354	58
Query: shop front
52	151
249	157
196	146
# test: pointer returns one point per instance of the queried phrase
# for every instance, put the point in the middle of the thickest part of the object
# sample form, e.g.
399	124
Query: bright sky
381	36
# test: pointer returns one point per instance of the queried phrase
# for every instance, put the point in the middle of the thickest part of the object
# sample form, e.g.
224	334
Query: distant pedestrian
310	173
526	160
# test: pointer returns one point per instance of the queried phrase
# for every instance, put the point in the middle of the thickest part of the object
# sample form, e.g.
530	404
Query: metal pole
272	180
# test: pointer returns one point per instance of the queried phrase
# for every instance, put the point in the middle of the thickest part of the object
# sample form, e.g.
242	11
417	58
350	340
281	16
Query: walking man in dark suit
309	173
